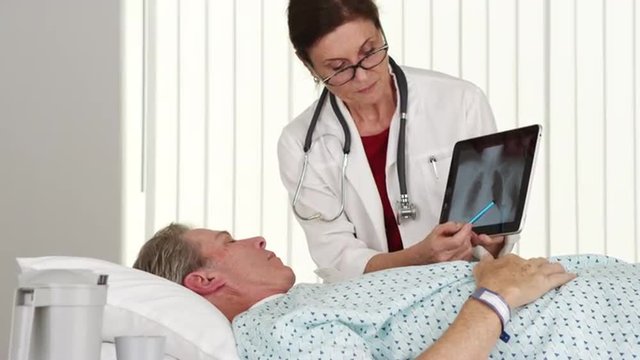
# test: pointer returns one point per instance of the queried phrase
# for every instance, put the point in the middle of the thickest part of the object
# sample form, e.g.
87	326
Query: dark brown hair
310	20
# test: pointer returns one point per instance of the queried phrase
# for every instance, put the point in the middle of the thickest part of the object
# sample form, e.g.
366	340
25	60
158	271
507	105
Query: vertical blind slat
530	109
191	174
417	34
620	192
590	125
391	16
562	135
163	133
474	46
220	80
248	118
134	87
446	37
636	58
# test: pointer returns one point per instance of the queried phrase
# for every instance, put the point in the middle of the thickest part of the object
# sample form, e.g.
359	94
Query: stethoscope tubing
404	198
345	161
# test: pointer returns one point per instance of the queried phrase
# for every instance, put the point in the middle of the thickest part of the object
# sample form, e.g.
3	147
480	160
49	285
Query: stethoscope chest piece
406	209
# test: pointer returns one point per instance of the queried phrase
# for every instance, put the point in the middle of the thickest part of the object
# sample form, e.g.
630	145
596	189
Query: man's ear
204	282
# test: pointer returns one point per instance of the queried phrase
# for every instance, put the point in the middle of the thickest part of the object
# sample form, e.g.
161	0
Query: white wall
60	142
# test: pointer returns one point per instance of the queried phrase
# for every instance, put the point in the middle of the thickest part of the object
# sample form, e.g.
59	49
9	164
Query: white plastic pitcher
58	315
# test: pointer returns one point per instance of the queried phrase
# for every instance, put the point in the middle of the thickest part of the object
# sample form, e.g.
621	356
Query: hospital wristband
496	303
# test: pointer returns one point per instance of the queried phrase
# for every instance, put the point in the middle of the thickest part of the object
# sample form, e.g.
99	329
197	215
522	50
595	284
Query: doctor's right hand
450	241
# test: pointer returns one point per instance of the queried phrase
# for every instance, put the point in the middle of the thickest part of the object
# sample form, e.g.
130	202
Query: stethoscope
406	210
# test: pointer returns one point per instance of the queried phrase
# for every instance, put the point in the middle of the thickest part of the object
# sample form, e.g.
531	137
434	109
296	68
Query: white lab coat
441	110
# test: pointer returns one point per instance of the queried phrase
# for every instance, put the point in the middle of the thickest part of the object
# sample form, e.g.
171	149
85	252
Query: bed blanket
396	314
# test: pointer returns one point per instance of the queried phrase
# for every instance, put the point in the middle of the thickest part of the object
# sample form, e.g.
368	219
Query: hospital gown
397	313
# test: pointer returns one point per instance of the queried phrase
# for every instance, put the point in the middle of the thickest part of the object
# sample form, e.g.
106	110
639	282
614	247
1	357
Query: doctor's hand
492	244
447	242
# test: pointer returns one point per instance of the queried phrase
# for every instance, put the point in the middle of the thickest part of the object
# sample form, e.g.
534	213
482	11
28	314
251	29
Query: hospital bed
602	321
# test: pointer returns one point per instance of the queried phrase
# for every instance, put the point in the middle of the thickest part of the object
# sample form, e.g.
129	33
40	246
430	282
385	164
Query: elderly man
435	311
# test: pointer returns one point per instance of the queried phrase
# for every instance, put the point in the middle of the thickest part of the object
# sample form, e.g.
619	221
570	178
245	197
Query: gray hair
168	255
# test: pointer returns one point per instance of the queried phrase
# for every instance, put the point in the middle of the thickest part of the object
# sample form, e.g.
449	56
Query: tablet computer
489	180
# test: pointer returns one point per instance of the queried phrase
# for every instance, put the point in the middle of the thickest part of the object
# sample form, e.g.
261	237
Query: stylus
482	212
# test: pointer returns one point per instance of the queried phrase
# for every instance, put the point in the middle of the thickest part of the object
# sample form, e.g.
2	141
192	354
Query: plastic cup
140	347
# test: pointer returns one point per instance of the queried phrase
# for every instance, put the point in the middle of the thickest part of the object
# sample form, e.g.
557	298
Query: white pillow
139	303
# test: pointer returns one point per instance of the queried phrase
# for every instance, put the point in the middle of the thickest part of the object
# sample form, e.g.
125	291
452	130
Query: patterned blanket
396	314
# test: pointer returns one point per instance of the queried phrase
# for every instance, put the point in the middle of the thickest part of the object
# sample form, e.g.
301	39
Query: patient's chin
291	279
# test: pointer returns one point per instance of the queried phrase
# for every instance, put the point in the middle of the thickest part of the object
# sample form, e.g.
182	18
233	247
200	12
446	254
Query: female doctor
366	165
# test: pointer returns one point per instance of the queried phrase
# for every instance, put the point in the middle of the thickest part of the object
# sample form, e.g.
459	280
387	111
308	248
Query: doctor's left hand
492	244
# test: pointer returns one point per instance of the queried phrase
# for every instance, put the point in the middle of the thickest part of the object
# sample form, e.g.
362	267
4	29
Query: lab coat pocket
437	164
428	179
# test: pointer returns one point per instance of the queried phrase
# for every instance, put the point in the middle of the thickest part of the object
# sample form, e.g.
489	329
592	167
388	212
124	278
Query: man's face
244	264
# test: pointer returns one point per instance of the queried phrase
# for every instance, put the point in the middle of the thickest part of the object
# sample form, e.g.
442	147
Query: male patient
423	311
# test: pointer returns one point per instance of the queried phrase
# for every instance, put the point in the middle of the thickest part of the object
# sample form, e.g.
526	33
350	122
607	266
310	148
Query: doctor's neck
372	118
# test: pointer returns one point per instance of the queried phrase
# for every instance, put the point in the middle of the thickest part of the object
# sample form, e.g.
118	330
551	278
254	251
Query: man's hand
447	242
517	280
475	330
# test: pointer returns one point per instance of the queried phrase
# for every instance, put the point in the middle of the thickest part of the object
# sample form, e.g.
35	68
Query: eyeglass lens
368	62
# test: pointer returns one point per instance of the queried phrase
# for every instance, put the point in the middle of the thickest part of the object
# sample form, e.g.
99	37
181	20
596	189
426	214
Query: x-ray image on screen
484	175
489	180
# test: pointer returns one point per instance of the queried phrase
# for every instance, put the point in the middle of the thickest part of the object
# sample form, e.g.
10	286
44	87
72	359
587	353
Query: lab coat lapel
391	170
392	151
361	178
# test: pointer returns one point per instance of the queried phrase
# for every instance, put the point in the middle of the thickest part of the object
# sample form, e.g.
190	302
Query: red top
375	146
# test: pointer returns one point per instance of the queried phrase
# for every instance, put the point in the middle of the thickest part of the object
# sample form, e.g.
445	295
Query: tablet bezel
486	141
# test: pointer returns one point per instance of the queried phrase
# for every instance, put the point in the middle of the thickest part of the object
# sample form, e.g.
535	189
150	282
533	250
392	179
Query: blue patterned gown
396	314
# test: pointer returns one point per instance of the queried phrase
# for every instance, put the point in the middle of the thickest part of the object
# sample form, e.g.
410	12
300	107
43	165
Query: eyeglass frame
357	65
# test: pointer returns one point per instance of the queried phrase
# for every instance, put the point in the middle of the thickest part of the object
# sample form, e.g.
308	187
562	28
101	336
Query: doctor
366	165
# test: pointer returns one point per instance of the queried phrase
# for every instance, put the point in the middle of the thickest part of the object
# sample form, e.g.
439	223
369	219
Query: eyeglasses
346	74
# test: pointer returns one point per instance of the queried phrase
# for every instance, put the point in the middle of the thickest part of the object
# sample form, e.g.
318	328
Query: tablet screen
489	180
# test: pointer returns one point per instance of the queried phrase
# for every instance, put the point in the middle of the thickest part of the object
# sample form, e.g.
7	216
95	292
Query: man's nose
258	241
